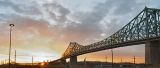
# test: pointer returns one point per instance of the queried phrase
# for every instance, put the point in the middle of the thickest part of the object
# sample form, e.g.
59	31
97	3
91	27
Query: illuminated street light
11	25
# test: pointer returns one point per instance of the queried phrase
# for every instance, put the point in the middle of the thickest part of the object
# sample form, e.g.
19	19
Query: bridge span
143	29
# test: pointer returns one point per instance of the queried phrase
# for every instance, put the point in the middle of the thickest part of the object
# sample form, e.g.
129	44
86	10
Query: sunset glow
44	28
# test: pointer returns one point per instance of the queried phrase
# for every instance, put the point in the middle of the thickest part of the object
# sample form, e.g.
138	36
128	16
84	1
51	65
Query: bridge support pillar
73	60
152	52
63	61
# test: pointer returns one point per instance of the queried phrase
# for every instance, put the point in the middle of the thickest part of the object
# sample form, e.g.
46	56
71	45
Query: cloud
127	6
103	18
50	25
97	14
80	32
107	18
28	34
50	12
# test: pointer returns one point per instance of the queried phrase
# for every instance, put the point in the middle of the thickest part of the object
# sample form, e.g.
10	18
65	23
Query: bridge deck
144	27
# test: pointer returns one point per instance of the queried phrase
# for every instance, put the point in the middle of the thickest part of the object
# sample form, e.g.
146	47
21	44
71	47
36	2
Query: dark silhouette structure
143	29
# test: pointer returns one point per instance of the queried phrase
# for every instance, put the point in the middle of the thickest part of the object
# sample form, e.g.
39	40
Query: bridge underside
152	52
143	29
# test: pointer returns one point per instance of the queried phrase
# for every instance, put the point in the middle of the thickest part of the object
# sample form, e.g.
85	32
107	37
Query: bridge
143	29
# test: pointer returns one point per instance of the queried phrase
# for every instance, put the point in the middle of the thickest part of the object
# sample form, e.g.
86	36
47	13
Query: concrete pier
152	52
73	60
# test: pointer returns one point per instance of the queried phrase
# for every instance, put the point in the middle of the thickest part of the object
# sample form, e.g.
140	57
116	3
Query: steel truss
144	27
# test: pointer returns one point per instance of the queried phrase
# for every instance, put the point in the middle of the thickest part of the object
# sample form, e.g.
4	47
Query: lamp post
11	25
112	57
32	61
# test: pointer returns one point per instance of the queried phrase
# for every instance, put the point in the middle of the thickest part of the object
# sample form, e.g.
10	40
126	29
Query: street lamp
11	25
112	57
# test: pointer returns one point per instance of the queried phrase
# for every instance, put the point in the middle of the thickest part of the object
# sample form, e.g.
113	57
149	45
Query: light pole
112	57
85	63
32	61
134	60
11	25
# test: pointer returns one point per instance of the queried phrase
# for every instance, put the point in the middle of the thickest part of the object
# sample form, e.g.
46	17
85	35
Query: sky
44	28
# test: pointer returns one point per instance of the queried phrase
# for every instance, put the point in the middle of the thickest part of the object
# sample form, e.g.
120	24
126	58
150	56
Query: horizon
44	29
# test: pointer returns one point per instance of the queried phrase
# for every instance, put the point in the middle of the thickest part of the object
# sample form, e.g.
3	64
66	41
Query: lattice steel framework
144	27
73	46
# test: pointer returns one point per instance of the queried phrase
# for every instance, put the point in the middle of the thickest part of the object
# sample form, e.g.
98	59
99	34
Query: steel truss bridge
144	27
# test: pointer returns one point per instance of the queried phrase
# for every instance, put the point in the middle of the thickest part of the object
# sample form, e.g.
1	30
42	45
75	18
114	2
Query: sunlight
42	64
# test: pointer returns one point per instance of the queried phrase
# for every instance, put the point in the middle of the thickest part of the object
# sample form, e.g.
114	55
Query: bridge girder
71	50
145	26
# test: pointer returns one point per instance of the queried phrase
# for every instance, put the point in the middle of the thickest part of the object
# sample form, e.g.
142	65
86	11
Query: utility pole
1	62
134	60
112	57
11	25
32	61
106	59
15	58
121	60
85	63
5	61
